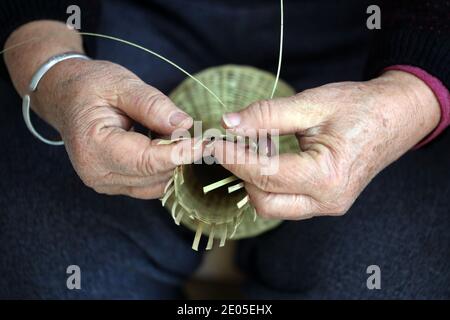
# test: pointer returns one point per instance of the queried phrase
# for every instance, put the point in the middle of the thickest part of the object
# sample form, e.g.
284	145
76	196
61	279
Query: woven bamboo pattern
216	213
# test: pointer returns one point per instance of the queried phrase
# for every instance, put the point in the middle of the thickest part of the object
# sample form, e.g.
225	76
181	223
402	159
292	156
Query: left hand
347	132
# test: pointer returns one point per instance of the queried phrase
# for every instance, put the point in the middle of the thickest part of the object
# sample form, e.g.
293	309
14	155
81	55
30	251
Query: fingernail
178	118
231	120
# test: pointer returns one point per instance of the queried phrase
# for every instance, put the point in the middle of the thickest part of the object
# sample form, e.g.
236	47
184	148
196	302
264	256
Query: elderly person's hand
93	105
347	133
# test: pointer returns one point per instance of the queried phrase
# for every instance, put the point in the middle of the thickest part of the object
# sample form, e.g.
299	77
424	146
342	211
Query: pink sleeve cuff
440	91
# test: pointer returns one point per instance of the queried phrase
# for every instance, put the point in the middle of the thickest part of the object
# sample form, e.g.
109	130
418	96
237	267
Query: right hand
93	104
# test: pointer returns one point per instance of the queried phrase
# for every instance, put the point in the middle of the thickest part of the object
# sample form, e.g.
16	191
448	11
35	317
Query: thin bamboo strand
243	202
20	44
219	184
174	208
236	187
179	216
198	236
169	183
132	44
210	244
167	195
280	55
223	237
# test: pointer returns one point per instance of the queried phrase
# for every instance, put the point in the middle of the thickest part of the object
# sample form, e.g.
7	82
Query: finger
148	193
300	173
131	153
281	206
138	181
143	193
152	108
288	115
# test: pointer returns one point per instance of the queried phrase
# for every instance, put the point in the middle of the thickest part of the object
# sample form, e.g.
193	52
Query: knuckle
146	163
263	182
331	180
92	133
266	183
150	104
262	111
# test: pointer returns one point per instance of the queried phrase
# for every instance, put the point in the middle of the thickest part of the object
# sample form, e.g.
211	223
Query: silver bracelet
33	87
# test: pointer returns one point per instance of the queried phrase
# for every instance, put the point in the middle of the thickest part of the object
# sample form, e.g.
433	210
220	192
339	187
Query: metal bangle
40	73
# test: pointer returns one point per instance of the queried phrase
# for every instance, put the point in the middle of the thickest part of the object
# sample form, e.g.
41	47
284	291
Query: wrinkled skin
93	106
347	133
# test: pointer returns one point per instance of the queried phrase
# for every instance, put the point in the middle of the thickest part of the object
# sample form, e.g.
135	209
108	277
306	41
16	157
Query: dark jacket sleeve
14	13
413	32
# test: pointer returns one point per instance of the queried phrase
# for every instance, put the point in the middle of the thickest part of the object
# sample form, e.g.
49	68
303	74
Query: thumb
153	109
288	115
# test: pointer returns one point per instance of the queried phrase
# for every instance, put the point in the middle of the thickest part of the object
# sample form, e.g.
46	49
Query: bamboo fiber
217	214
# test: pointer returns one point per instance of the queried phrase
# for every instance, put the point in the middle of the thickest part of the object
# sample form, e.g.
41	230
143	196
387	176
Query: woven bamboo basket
216	214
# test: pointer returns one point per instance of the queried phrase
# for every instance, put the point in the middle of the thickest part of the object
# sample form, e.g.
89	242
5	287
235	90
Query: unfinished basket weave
216	214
